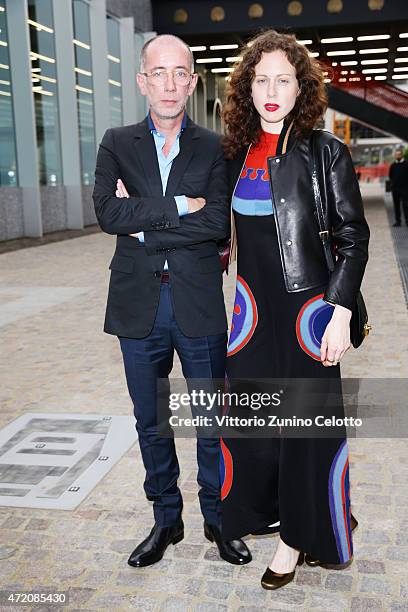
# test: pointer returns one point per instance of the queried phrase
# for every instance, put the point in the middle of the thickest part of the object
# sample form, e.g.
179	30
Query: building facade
67	73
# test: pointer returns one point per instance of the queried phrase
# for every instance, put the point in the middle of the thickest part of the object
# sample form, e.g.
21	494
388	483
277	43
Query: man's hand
121	192
336	338
195	204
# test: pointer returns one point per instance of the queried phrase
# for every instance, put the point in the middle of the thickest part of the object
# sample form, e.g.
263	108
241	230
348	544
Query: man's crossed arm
158	217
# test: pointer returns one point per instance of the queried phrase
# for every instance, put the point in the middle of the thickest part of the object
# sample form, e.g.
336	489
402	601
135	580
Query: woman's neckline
269	134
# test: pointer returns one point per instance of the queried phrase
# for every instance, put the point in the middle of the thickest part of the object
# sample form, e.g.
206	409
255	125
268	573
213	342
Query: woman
275	96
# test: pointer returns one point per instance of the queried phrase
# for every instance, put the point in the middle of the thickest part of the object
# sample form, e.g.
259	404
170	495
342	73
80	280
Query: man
165	290
398	175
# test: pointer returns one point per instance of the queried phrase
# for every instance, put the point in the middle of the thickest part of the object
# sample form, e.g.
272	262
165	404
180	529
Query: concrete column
201	98
68	114
141	103
128	70
328	120
100	69
23	108
217	123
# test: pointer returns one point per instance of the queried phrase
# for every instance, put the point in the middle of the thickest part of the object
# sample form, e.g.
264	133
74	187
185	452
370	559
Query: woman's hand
336	338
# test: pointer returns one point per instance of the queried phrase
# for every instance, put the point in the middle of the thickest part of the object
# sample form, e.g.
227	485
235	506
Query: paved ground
55	358
400	239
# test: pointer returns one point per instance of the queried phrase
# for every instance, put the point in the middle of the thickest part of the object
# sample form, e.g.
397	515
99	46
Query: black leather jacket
302	256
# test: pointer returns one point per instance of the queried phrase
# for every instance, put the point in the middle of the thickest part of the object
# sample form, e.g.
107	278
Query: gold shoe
315	562
271	580
330	566
353	522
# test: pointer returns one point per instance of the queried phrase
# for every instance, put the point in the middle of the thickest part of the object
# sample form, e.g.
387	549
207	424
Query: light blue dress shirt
165	163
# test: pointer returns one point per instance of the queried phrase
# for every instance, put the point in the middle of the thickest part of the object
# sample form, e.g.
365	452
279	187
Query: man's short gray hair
165	36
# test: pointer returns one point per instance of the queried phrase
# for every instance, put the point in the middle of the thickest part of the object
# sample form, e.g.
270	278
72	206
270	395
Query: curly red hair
242	121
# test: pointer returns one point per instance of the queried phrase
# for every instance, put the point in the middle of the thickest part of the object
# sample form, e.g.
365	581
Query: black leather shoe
316	563
396	224
232	551
271	580
153	547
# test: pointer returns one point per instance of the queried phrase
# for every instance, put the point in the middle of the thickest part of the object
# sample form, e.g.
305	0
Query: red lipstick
272	107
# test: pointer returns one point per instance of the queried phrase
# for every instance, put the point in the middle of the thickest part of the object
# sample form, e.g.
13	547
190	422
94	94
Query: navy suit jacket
188	243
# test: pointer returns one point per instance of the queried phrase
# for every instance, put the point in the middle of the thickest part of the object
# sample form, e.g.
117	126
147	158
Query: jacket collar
287	139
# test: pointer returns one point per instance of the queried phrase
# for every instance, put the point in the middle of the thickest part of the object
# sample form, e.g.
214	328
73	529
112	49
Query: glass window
8	165
115	80
84	90
44	81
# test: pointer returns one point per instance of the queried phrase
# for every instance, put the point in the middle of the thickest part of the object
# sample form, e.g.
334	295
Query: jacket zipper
276	221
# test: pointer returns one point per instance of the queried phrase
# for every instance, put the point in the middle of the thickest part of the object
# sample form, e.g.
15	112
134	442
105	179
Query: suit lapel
146	152
188	143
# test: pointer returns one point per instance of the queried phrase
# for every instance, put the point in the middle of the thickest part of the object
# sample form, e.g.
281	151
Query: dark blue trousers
147	360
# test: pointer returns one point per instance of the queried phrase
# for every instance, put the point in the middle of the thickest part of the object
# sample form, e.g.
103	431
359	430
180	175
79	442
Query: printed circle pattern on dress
226	470
311	323
339	499
245	317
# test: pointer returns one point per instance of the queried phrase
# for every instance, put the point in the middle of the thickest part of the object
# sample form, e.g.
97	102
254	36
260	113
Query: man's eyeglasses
159	77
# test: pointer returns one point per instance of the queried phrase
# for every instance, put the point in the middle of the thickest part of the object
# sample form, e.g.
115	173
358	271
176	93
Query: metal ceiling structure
379	52
363	44
212	17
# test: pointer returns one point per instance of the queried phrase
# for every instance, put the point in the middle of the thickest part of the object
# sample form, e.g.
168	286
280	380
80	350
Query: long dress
303	483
